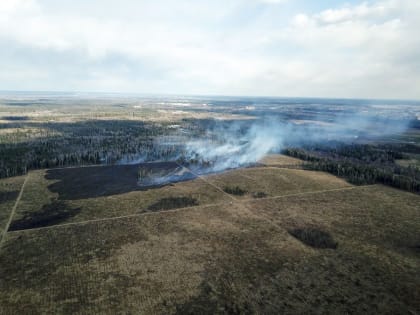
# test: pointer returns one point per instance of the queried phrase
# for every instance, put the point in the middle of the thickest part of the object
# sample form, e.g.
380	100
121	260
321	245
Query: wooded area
84	143
363	164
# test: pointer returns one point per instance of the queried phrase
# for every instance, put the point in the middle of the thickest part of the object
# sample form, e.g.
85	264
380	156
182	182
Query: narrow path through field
246	176
205	180
12	213
246	205
118	217
244	201
311	192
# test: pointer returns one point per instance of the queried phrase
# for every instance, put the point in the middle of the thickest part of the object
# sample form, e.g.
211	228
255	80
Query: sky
302	48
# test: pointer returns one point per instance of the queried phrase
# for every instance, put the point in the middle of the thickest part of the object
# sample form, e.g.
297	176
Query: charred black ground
54	213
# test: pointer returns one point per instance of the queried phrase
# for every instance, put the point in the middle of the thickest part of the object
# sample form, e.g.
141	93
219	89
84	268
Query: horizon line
144	94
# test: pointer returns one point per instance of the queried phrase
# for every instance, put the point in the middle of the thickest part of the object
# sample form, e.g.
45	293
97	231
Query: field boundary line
243	201
309	192
116	218
205	180
12	213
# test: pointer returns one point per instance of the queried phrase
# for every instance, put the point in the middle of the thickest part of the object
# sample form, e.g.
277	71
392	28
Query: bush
259	194
235	190
314	237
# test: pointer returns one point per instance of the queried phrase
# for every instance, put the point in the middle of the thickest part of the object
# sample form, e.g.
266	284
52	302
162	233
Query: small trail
12	213
246	176
243	202
246	202
211	184
118	217
310	192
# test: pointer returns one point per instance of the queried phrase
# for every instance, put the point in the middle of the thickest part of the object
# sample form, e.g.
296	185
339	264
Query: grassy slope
9	191
37	196
275	181
235	258
280	160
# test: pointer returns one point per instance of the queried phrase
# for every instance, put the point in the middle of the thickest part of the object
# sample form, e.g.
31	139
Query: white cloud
273	1
9	6
361	11
232	47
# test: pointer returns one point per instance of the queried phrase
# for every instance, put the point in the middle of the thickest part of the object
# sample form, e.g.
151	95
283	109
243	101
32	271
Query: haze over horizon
284	48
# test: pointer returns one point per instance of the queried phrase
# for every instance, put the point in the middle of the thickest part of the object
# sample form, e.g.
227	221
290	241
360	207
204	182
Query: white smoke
225	149
245	143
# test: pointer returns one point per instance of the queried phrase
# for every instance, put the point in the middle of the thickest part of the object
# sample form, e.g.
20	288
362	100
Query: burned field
98	181
61	196
310	243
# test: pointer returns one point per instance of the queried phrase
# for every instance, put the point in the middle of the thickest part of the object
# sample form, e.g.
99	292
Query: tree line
98	142
361	164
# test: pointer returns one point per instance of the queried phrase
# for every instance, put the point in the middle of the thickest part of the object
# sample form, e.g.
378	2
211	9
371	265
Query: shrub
259	194
314	237
234	190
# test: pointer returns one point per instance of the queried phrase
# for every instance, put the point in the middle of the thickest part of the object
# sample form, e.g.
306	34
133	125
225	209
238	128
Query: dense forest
363	164
84	143
113	141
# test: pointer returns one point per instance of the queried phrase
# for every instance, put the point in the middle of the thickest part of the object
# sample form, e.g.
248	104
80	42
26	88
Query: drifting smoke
233	144
243	143
232	147
163	175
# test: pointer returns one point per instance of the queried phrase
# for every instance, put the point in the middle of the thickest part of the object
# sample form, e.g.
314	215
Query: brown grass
237	257
409	163
37	196
280	160
9	191
275	181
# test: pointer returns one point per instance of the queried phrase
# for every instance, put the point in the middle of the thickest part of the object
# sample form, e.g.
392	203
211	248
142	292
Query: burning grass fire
154	176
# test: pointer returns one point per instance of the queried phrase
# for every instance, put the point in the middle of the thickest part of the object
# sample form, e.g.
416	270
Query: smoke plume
242	143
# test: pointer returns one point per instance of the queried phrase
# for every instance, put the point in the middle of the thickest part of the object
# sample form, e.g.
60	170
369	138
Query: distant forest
81	143
363	164
107	142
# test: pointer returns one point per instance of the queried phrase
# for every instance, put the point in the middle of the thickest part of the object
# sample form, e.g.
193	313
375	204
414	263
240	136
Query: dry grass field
9	191
79	194
280	160
414	162
275	181
314	244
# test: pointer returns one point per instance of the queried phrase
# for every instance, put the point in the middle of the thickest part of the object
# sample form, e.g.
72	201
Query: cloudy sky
328	48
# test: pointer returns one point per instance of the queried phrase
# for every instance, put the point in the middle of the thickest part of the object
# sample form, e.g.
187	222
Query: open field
280	160
409	136
228	254
414	161
276	181
69	109
78	194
